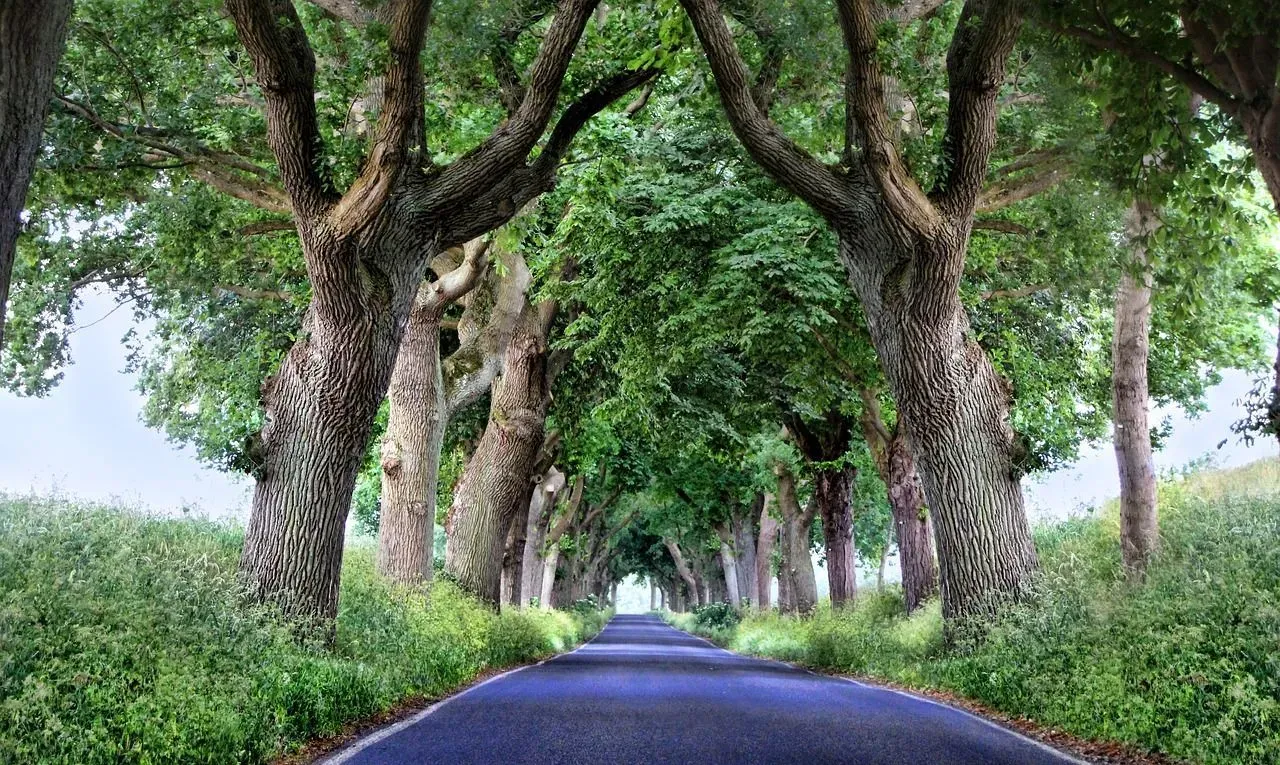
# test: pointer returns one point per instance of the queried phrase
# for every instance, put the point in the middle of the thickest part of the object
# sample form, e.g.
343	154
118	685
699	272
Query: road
642	692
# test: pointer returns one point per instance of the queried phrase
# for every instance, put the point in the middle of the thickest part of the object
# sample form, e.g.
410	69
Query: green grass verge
124	638
1187	664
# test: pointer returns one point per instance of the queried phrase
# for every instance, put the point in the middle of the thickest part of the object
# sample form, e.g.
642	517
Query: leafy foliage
125	637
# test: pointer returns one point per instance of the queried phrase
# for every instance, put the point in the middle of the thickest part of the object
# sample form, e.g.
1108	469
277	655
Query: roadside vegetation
126	638
1187	663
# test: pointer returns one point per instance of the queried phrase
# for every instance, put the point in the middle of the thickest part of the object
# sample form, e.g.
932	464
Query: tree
366	251
32	36
904	252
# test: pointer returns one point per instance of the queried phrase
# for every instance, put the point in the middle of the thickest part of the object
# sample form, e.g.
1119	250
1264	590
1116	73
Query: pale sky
85	440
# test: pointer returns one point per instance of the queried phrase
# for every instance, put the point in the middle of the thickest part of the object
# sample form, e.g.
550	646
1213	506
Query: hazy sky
85	439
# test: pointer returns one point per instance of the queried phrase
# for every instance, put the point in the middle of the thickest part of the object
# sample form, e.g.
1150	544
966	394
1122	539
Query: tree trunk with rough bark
729	563
911	527
765	545
411	450
955	408
496	483
797	561
824	443
535	553
685	571
1139	522
32	35
320	409
513	558
833	493
425	393
744	543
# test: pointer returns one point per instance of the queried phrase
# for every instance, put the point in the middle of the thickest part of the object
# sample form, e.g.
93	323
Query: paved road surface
642	692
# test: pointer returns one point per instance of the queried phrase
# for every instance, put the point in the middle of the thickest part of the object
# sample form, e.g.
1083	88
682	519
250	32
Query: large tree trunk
540	508
954	407
422	397
1139	524
767	540
683	569
550	561
911	527
496	483
32	34
833	492
513	558
411	450
744	542
826	441
729	563
320	408
797	561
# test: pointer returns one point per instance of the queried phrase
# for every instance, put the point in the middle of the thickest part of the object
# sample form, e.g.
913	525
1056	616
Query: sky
85	440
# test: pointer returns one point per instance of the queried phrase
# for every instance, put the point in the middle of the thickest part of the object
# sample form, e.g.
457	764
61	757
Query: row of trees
733	280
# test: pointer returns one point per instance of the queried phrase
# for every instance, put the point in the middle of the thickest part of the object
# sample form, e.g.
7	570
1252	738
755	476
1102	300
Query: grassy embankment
1187	664
124	638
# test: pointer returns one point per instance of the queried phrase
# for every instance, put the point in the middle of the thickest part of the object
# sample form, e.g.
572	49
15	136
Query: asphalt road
642	692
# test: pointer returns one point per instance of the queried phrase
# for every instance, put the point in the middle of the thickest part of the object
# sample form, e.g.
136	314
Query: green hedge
124	637
1187	663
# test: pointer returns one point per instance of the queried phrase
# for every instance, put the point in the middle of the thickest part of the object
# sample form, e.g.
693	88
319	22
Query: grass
125	638
1187	664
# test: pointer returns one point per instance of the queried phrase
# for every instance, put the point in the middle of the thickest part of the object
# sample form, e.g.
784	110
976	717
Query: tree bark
32	35
744	542
540	509
797	561
912	529
425	393
411	451
683	569
513	558
832	491
729	563
496	482
1139	523
767	540
823	444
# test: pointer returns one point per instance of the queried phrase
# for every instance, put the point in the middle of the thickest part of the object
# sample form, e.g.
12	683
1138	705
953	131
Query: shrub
126	638
715	616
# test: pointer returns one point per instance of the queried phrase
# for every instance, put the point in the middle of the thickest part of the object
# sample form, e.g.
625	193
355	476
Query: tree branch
976	62
780	157
866	101
401	110
272	33
1118	43
509	145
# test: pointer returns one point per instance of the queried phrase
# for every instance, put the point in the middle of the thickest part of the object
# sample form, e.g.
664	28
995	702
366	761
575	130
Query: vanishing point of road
642	692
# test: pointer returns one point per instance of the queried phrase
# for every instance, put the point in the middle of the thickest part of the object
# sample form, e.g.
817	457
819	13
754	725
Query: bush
1188	663
716	616
125	638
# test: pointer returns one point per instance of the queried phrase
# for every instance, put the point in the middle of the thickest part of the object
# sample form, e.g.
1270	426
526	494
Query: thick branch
865	92
976	61
789	164
401	109
272	33
509	145
1116	42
